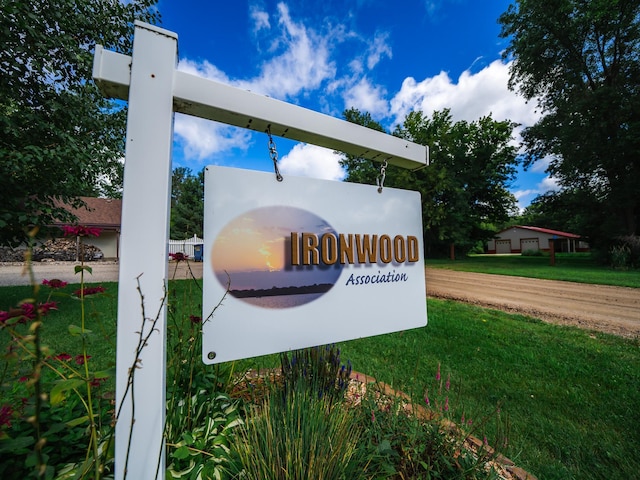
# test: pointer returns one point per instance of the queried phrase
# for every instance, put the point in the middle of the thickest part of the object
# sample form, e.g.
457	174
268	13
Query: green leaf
110	372
79	268
181	453
78	421
61	387
16	445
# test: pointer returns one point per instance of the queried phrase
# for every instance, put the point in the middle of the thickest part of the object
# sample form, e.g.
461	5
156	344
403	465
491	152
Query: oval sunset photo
252	256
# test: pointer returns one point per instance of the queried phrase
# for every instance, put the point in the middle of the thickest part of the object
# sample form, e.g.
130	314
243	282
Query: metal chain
273	153
380	178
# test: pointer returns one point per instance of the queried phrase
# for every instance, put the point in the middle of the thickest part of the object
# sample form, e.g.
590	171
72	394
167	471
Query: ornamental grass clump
298	437
301	428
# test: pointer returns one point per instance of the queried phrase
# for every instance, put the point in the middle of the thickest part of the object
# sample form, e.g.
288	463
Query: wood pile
55	250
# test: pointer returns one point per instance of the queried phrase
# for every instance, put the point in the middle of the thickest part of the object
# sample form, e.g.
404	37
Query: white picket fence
185	246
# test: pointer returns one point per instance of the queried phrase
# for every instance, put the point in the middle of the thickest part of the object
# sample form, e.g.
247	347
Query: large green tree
465	189
59	137
580	60
187	203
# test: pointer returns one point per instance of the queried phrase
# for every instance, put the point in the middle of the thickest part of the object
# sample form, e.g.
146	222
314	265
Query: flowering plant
59	409
80	231
178	256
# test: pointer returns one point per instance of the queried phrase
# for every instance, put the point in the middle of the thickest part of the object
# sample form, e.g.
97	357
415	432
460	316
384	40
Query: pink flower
28	311
80	359
446	404
44	308
63	357
80	231
54	283
448	384
373	416
96	382
438	374
6	412
23	379
426	398
86	291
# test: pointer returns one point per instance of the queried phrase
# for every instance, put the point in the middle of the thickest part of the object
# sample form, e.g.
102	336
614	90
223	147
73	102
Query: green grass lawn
572	396
569	267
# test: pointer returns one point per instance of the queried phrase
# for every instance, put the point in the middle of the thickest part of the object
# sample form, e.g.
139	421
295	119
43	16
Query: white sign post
155	89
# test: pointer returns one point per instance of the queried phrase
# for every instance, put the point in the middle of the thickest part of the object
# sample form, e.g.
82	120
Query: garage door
503	246
530	244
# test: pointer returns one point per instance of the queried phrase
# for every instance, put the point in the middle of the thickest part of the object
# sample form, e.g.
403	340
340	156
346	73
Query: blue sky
387	58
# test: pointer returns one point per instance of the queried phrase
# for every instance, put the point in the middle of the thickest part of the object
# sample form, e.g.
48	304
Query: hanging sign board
306	262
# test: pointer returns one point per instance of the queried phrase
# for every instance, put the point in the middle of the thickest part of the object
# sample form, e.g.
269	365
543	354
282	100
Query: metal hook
273	153
383	173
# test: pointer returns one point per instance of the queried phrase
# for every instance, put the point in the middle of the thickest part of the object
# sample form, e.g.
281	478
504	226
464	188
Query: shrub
625	253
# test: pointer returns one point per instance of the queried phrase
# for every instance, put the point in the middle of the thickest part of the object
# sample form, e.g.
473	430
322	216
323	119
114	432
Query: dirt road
598	307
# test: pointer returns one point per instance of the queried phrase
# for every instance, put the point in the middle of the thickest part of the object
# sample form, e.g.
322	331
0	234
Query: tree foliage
59	137
464	190
580	60
187	203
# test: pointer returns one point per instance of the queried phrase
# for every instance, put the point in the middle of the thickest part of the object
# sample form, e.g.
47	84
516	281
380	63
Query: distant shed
519	238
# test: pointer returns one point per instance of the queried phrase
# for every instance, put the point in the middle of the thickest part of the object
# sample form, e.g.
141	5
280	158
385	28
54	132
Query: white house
519	238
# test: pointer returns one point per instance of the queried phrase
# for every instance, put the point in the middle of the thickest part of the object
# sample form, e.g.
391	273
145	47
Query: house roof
548	231
99	212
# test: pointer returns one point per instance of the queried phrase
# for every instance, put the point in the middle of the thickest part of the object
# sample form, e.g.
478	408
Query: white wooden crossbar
212	100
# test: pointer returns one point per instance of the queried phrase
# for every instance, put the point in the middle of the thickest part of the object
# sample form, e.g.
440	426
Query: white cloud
260	19
302	64
549	184
473	96
541	165
366	97
204	69
524	197
312	161
203	138
432	6
378	49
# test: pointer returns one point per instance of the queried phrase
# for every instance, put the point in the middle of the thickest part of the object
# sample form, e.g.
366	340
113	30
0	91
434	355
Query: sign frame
155	89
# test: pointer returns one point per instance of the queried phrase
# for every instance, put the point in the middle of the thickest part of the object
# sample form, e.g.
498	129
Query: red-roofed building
105	214
519	238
